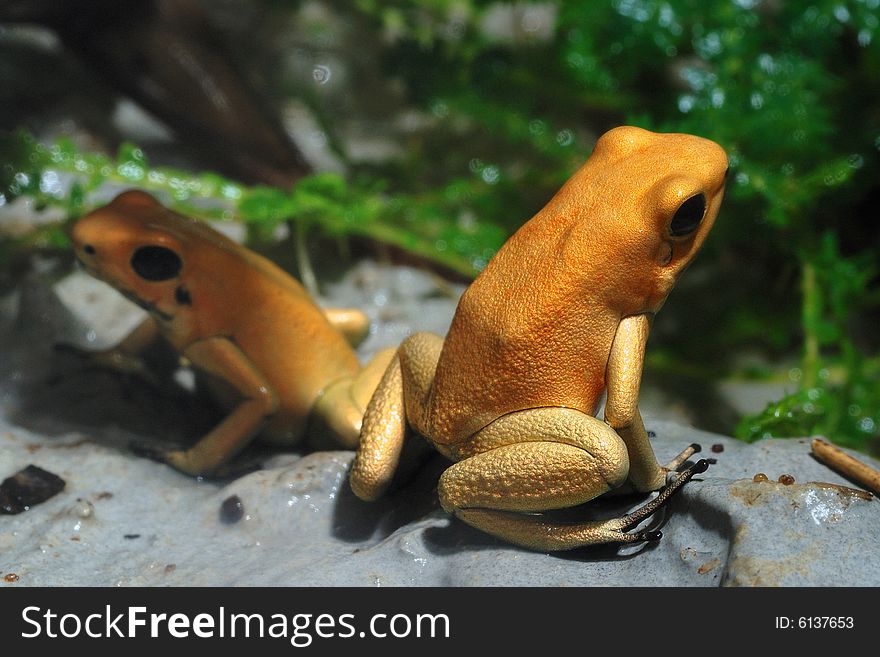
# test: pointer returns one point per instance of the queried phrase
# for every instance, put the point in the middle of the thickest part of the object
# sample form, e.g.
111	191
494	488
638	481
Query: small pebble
10	577
785	479
232	510
717	448
27	488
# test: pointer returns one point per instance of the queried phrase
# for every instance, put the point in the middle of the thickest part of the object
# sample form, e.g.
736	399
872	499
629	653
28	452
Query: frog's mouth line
128	294
149	307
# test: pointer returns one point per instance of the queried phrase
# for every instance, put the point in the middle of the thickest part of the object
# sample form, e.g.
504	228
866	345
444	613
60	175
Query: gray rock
123	520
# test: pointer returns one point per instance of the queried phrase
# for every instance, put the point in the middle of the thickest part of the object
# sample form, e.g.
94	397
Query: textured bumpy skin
271	355
560	315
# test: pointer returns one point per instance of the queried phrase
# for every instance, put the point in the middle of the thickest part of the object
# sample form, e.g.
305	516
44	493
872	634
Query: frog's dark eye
156	263
688	216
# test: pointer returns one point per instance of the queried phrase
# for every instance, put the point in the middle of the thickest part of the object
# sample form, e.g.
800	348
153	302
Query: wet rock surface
125	520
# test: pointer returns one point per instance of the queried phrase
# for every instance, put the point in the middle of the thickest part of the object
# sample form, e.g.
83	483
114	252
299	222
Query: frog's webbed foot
630	520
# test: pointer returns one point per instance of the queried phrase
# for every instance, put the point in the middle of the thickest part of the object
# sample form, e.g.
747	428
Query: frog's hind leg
341	406
542	459
353	324
401	400
538	534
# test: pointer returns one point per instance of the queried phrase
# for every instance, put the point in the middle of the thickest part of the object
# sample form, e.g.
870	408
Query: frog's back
525	335
271	317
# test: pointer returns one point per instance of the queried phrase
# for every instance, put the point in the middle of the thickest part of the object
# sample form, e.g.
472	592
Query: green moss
422	224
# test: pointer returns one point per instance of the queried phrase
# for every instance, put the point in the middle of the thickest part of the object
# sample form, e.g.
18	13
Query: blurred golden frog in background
266	350
560	315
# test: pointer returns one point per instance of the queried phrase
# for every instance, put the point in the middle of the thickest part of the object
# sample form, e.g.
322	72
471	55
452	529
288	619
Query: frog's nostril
88	248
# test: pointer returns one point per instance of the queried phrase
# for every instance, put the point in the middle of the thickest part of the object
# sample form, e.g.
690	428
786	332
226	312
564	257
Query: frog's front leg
543	459
221	358
623	377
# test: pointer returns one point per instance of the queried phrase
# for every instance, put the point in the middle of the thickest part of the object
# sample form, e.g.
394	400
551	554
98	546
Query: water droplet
767	63
564	137
686	103
50	183
230	191
91	335
710	45
491	174
321	74
854	410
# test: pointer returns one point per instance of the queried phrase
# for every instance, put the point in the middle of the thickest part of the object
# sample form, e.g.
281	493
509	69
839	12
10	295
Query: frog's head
131	245
647	201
